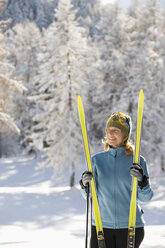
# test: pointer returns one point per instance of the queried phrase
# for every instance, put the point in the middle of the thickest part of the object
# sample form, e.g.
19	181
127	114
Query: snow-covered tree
42	12
62	76
8	87
20	11
83	7
112	41
23	44
145	70
22	41
88	13
131	58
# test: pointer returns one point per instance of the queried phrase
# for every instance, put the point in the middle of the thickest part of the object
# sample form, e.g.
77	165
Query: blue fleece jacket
113	183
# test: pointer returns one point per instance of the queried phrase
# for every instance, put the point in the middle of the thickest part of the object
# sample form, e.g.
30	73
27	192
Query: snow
37	211
154	215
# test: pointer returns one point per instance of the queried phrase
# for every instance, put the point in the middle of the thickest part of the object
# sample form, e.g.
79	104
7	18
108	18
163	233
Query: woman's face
114	137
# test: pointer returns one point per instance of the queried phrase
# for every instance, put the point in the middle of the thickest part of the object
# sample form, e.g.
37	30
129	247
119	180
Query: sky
112	1
125	3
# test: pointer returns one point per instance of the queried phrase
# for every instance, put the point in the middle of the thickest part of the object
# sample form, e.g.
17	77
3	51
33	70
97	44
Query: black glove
86	179
138	172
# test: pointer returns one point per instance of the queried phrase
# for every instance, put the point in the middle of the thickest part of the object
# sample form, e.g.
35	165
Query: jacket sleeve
145	194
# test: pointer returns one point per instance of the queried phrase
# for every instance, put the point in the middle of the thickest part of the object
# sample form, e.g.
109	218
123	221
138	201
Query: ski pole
87	214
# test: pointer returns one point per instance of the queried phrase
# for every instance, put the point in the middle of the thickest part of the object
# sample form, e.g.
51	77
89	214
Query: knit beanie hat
121	121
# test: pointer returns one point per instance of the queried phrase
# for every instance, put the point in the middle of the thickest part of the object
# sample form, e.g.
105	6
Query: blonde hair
128	145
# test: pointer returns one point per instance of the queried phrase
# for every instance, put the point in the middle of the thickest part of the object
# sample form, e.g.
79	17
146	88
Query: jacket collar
116	152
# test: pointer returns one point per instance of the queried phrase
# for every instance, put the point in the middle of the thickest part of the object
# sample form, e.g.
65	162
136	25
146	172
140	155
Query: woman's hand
86	179
138	172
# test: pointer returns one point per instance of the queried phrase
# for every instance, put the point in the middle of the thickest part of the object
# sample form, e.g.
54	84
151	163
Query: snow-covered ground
37	212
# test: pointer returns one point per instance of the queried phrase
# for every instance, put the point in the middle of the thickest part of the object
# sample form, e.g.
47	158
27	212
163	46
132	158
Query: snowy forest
53	51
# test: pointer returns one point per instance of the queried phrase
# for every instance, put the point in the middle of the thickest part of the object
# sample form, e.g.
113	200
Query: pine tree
8	87
131	57
62	76
20	11
112	41
23	44
145	71
88	13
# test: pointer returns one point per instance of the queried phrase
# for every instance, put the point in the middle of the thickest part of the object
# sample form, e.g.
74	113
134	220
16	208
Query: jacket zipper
115	195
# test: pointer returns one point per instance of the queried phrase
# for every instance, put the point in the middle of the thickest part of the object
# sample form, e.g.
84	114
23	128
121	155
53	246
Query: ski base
101	241
131	237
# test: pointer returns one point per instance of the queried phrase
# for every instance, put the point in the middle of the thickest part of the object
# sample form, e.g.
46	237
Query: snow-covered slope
37	211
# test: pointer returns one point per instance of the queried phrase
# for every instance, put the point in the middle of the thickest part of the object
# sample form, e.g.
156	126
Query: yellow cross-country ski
132	214
99	227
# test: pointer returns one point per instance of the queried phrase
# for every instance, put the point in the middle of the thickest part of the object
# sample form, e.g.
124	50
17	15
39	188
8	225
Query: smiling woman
112	171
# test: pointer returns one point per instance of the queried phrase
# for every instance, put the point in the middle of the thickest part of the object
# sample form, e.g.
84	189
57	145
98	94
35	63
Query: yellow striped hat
121	121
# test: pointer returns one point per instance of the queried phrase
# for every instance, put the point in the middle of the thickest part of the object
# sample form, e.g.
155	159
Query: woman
113	171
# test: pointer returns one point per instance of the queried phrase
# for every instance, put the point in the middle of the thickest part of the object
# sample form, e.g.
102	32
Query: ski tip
141	95
141	92
79	98
79	103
